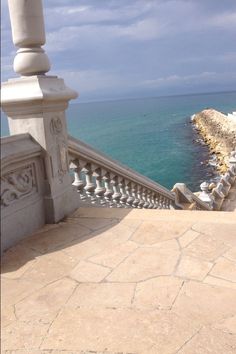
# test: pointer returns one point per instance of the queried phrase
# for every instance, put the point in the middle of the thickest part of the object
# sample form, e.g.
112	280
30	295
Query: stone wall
219	133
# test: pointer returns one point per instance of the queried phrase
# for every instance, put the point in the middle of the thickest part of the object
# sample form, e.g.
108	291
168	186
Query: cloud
116	47
198	78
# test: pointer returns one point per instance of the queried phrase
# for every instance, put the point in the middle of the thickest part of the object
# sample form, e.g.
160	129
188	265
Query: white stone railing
222	189
104	181
22	188
189	200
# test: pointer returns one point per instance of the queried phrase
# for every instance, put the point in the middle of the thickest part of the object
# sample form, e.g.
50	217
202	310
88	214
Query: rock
219	133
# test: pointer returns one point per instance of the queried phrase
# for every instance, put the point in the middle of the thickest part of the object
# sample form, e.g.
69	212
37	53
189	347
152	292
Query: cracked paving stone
16	261
111	257
44	304
55	238
145	263
86	272
188	237
153	232
23	335
231	254
227	325
225	269
157	293
205	303
103	294
119	330
210	341
193	268
206	247
218	231
219	282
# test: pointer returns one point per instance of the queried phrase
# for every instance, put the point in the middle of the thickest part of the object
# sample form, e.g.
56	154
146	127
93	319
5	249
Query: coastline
218	132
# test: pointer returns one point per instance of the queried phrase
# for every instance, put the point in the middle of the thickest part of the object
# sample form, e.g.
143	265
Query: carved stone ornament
17	184
56	125
63	165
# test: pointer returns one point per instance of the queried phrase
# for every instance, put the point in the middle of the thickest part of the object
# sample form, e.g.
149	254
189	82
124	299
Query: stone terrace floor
123	281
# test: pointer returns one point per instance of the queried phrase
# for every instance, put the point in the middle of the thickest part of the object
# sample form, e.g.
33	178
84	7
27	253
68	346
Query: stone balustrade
221	191
189	200
101	180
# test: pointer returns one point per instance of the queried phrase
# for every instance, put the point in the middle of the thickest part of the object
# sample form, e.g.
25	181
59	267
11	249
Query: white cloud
203	77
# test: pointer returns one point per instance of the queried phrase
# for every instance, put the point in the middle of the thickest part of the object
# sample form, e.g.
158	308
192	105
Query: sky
112	49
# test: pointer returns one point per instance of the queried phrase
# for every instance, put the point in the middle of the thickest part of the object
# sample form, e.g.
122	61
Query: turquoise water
152	135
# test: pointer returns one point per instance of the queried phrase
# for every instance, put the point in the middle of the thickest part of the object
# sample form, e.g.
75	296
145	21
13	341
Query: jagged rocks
219	133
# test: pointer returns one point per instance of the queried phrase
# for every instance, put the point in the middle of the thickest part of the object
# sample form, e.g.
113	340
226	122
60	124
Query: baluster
165	203
140	197
134	194
153	200
128	189
168	204
116	195
124	196
78	181
90	186
149	200
108	193
160	202
100	189
145	194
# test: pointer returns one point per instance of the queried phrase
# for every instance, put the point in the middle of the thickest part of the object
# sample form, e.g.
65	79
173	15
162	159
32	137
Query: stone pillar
205	195
36	104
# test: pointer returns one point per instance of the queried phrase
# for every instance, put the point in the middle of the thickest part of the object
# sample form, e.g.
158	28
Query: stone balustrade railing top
98	178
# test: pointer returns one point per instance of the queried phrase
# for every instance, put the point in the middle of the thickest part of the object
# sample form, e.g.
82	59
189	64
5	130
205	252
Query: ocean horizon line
148	97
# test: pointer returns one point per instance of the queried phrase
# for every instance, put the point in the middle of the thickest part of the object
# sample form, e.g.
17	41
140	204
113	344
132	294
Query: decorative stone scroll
56	125
18	184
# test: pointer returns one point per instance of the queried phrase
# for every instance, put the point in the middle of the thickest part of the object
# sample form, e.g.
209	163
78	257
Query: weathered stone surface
210	341
43	305
23	335
152	232
225	269
16	261
111	257
145	263
227	325
45	270
205	303
103	295
206	247
55	238
218	231
231	254
219	282
7	315
193	268
13	290
91	223
188	237
89	272
157	293
119	330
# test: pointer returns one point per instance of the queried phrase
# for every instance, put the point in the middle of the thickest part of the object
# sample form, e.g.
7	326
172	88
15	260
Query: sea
153	136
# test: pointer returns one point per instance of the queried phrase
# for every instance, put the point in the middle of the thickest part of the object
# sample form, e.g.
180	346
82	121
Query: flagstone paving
123	281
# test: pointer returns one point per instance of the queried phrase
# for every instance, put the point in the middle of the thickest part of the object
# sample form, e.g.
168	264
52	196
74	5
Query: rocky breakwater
219	133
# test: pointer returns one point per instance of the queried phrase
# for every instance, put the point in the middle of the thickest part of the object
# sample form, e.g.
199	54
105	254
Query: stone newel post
28	33
36	104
